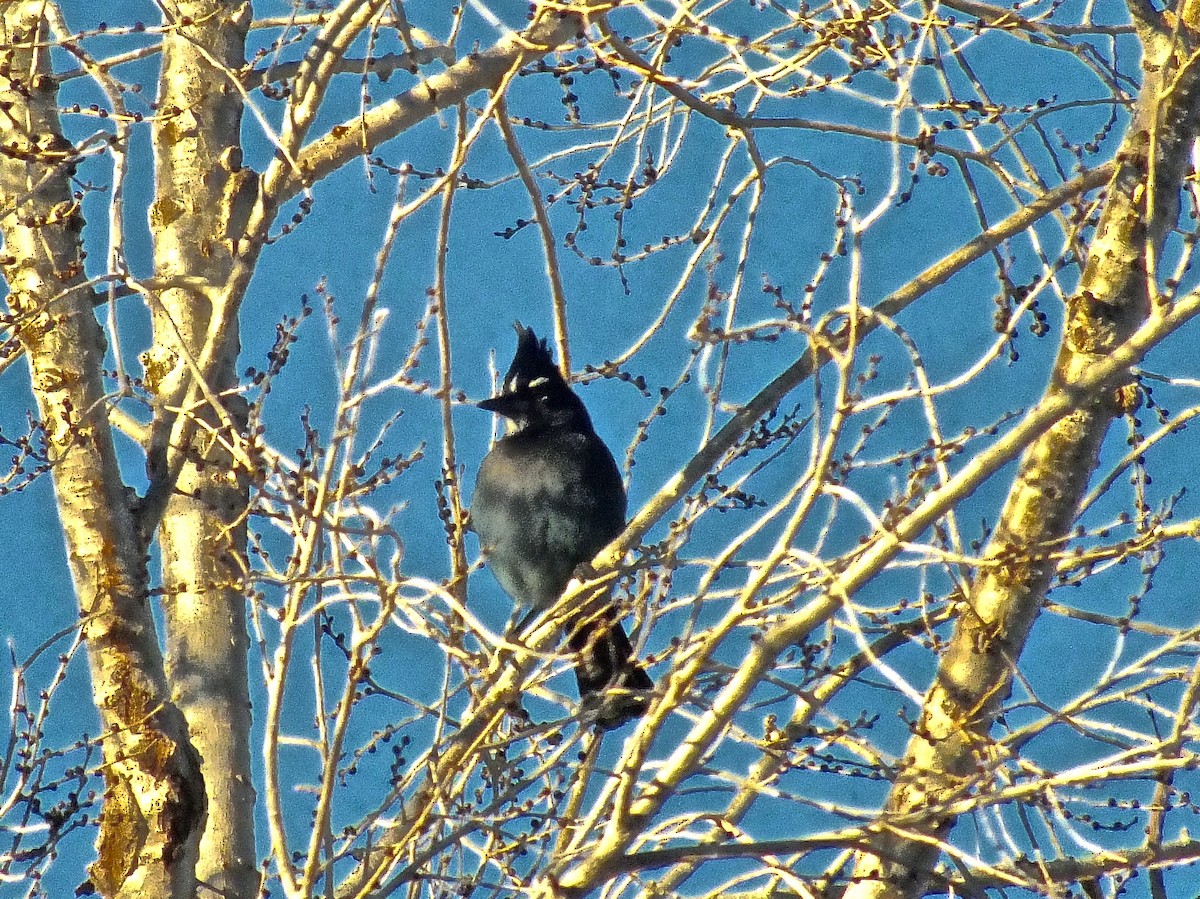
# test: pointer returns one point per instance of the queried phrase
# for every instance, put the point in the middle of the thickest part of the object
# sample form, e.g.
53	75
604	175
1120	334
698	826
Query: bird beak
501	404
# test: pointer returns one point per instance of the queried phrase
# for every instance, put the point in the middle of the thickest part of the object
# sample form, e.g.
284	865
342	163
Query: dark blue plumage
547	499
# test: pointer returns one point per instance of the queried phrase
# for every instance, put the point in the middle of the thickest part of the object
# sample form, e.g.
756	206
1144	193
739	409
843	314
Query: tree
860	691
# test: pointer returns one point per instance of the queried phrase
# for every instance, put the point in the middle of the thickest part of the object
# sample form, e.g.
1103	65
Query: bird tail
607	674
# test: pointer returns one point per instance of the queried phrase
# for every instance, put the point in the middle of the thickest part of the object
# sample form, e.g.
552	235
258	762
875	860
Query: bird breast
543	505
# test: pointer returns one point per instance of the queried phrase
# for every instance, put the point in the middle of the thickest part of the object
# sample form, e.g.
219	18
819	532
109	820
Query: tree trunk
950	754
154	793
196	479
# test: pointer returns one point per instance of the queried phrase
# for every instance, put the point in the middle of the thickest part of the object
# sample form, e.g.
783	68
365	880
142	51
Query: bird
548	497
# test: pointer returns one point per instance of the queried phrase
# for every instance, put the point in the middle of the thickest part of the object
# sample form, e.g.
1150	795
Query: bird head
534	392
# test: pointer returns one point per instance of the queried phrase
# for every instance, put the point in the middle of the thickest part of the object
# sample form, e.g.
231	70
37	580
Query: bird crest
532	365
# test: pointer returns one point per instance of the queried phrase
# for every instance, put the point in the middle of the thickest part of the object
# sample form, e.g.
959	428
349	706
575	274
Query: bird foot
583	572
613	708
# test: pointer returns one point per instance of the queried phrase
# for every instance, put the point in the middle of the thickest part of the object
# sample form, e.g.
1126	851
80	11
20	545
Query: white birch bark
201	492
950	753
154	797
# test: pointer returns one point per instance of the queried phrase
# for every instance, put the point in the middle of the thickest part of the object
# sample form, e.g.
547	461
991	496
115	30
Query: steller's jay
547	499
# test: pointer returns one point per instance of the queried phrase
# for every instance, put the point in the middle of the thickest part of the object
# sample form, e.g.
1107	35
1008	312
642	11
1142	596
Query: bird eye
539	387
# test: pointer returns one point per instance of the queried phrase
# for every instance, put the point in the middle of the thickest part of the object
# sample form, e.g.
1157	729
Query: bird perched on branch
547	499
